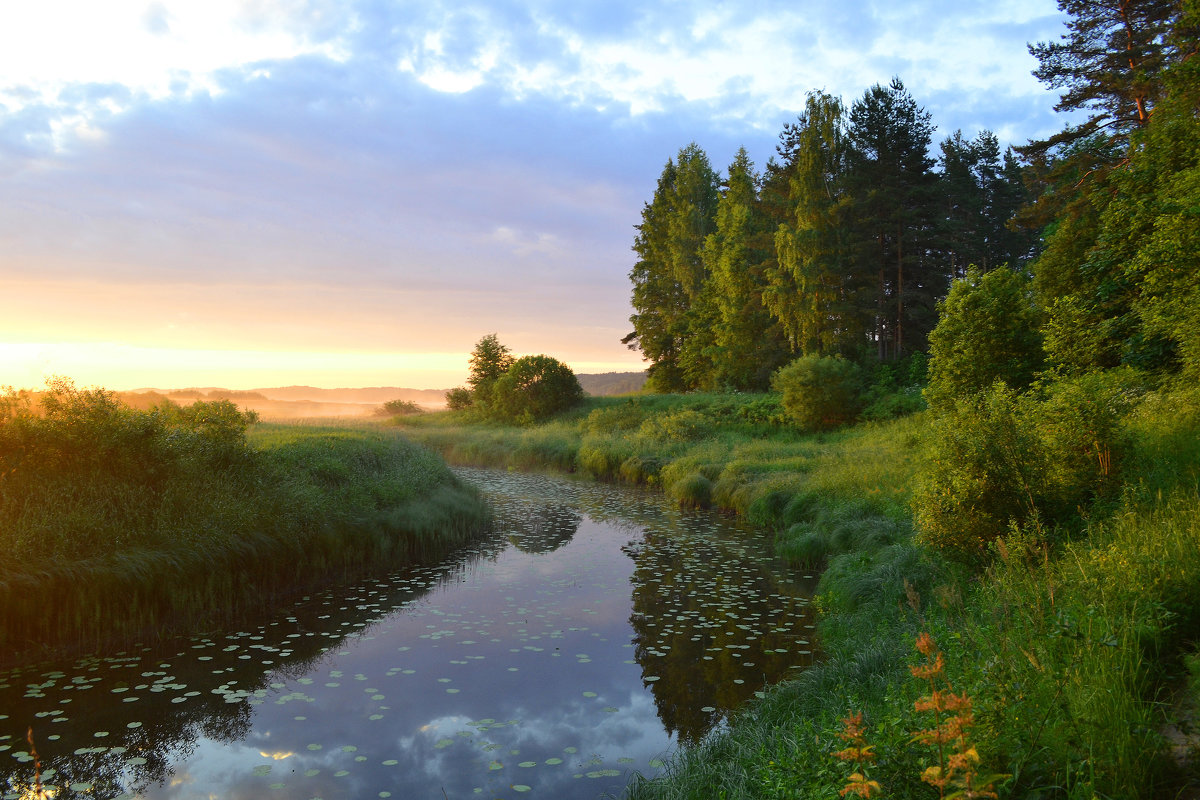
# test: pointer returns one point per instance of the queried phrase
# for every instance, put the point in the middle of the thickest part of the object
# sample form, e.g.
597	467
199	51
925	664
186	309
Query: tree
1103	182
489	360
893	186
987	332
979	196
1110	64
534	387
746	346
659	301
812	283
670	274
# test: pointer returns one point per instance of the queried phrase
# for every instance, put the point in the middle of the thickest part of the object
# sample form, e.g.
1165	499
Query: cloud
155	20
476	166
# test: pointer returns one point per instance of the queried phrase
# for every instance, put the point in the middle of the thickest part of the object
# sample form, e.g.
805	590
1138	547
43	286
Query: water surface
593	630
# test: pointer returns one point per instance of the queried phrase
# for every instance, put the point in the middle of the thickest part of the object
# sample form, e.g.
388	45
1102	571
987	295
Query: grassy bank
1069	643
118	524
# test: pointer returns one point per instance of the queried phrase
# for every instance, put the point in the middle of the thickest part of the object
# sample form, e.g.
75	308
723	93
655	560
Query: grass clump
119	524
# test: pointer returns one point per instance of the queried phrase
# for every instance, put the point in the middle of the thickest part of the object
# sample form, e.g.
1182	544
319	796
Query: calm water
594	630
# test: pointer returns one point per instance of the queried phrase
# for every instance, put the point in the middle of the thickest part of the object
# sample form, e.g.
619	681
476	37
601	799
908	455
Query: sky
353	192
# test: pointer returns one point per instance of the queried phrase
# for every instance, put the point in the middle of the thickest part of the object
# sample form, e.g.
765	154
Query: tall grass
118	524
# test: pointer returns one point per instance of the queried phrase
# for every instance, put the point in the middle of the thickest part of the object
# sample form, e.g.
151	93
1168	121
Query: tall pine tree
894	189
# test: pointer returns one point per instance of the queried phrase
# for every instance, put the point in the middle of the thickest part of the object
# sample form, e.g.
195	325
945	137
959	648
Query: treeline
850	238
842	246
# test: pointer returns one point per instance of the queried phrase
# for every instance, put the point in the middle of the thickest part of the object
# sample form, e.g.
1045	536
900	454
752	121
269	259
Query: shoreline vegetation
1072	639
120	525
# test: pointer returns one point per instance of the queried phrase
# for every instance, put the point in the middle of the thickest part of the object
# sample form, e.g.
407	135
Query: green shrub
684	425
623	417
533	388
400	408
986	331
820	392
458	398
1000	459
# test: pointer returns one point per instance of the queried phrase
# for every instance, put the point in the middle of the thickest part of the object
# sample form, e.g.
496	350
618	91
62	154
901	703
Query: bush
1002	459
400	408
533	388
458	398
986	331
683	425
820	392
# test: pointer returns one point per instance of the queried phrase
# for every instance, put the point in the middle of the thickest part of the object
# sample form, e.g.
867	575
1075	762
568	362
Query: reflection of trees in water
544	529
131	759
709	611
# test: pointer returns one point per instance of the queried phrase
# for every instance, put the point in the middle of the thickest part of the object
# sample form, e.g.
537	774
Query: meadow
120	525
1068	645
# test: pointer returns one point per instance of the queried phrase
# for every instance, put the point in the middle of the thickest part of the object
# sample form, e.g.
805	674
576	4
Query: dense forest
848	240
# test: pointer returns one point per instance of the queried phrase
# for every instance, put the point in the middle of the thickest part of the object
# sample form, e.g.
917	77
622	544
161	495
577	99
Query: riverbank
1067	643
119	525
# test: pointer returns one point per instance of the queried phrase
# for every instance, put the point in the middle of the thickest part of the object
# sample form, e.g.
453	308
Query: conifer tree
812	284
894	190
746	343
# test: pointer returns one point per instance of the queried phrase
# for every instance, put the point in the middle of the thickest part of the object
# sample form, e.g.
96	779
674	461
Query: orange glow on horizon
124	367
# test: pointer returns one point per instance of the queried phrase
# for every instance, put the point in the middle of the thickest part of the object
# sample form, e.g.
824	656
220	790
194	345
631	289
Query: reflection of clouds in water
432	678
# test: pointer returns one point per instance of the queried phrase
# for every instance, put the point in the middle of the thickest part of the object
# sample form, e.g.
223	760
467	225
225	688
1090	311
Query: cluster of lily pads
593	613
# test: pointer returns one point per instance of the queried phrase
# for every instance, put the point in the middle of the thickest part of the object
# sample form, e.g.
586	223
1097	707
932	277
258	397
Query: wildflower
958	760
859	752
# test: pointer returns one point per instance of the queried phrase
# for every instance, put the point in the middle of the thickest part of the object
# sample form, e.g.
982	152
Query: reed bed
118	525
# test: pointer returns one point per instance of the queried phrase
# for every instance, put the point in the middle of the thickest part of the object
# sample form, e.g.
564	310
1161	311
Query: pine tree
894	189
1109	63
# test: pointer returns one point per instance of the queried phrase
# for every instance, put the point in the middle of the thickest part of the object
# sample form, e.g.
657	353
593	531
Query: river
588	634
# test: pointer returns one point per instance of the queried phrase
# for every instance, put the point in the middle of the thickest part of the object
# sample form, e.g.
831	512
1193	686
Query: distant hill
311	401
607	383
296	401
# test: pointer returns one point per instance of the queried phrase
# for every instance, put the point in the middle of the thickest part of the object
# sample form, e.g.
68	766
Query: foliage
813	282
489	360
986	333
534	387
1000	459
820	392
399	408
895	389
746	345
670	273
119	523
980	194
458	398
895	208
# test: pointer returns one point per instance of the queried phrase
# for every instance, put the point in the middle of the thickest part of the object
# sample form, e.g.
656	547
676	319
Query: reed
118	525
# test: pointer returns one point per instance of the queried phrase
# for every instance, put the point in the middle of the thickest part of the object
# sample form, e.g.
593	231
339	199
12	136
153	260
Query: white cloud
150	48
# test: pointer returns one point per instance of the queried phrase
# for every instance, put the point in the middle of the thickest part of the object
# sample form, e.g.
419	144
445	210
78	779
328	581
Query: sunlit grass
116	525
